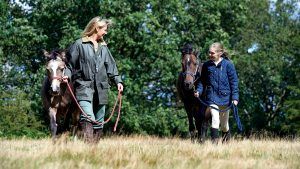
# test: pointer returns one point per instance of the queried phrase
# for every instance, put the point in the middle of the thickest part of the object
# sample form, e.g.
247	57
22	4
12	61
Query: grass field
148	152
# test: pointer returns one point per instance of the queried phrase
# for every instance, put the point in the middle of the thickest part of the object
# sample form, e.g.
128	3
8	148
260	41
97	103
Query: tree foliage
271	95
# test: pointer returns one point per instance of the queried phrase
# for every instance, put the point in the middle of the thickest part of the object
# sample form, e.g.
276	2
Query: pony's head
190	66
55	66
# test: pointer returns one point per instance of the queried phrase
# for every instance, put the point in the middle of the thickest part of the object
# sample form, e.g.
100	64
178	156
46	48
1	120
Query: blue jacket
220	82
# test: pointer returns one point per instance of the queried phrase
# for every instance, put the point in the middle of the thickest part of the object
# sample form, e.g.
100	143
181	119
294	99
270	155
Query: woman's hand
65	79
120	87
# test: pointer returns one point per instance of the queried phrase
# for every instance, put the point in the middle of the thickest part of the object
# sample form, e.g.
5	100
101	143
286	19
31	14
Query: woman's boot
214	135
87	129
226	136
98	134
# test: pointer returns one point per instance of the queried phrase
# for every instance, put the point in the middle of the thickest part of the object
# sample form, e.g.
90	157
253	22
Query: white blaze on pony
55	69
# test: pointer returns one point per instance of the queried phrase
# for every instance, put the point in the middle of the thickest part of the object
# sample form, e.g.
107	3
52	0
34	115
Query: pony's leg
67	117
205	119
199	125
53	125
75	121
192	130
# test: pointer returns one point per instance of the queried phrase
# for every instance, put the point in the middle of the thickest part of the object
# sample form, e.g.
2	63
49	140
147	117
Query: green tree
269	70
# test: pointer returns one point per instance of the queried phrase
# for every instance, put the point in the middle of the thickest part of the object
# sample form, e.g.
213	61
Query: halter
56	77
193	74
60	78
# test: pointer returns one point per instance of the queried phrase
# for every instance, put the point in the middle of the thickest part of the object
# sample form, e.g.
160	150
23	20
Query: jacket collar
213	63
87	39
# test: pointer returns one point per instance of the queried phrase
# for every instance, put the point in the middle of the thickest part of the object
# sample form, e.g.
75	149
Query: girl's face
214	53
101	32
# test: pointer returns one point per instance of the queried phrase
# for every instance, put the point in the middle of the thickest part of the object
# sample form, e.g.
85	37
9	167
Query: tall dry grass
148	152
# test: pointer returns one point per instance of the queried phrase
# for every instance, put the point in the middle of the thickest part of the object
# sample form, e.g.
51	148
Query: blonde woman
90	67
220	81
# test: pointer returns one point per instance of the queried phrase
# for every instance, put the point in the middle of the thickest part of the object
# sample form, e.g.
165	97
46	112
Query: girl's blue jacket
219	82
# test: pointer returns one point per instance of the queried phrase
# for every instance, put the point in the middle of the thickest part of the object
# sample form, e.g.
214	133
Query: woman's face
214	53
101	31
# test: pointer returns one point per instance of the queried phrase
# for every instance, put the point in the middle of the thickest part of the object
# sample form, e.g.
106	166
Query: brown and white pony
56	98
187	82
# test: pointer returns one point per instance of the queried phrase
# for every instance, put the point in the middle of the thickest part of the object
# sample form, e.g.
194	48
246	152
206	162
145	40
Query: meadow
148	152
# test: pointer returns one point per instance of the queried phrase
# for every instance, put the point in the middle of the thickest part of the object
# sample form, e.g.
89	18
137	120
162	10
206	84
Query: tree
270	95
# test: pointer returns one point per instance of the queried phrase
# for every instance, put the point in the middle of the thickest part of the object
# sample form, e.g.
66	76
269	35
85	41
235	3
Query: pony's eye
49	70
60	68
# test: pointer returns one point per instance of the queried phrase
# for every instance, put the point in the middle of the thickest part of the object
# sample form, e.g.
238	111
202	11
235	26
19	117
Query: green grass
148	152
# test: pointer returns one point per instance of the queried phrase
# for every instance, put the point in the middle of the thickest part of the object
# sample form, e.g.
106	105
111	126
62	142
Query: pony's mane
187	49
56	55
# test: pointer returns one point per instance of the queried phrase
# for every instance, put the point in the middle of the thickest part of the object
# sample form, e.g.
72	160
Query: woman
220	81
90	67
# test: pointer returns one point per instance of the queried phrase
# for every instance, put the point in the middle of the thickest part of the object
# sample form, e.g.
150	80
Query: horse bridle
191	73
59	78
56	77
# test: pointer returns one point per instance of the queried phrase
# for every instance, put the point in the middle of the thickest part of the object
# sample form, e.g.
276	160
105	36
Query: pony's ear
63	55
197	53
46	54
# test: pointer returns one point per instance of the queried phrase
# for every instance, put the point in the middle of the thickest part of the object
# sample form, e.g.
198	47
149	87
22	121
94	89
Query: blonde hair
220	47
90	28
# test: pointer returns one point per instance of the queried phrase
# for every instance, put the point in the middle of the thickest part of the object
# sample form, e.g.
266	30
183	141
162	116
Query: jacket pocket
85	67
209	89
209	93
105	85
81	84
225	92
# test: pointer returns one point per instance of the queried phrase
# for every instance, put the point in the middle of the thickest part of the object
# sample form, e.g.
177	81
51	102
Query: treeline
261	36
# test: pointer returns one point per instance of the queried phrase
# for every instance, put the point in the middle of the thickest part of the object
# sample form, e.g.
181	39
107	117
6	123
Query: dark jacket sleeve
111	67
201	85
233	81
72	56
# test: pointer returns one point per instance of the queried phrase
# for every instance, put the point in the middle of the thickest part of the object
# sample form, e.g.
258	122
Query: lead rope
231	106
119	99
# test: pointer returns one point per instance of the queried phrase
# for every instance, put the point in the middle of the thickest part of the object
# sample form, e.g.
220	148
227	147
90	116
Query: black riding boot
98	134
87	129
214	135
226	136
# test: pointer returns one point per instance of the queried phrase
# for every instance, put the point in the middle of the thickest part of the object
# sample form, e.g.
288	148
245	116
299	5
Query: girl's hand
235	102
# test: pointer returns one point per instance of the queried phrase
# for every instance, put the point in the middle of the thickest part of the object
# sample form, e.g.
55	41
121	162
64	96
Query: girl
220	81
